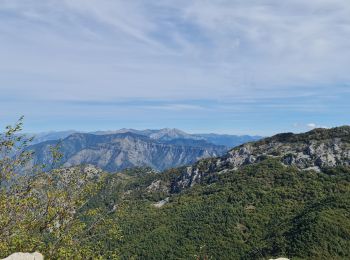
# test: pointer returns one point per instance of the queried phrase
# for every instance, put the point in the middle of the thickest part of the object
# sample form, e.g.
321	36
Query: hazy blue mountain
124	148
54	135
165	134
229	140
114	152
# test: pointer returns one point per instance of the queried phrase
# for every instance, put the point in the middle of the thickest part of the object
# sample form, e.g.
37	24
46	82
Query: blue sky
235	66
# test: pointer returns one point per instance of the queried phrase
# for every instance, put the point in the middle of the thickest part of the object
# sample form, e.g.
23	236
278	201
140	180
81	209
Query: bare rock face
25	256
115	152
157	186
314	150
319	148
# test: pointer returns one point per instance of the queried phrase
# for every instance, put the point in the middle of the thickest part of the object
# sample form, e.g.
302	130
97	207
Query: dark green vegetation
249	204
261	211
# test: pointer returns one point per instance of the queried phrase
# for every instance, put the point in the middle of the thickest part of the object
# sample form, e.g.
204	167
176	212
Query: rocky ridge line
314	150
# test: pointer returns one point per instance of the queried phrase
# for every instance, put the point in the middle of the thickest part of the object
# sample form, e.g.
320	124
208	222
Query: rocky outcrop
158	186
25	256
315	150
161	203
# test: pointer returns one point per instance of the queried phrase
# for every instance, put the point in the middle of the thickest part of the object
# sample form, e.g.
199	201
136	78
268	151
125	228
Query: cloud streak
105	51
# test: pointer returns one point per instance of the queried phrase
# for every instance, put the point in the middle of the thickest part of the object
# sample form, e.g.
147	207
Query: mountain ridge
157	134
314	150
114	152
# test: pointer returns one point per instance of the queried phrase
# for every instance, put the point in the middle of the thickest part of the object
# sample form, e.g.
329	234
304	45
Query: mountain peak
171	133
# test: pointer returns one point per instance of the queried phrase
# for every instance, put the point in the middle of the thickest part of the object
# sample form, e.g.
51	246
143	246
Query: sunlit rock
25	256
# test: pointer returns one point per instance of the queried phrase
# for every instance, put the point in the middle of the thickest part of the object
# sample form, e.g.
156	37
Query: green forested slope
261	211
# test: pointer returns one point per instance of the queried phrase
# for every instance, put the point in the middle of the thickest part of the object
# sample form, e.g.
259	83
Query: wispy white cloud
308	126
177	107
313	125
225	50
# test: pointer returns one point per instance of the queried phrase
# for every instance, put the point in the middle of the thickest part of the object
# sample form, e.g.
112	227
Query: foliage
44	211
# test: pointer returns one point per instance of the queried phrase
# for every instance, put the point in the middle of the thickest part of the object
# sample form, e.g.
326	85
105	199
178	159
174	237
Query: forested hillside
251	203
260	211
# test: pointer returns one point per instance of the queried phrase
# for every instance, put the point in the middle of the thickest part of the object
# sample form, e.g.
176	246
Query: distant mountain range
50	136
127	148
164	134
